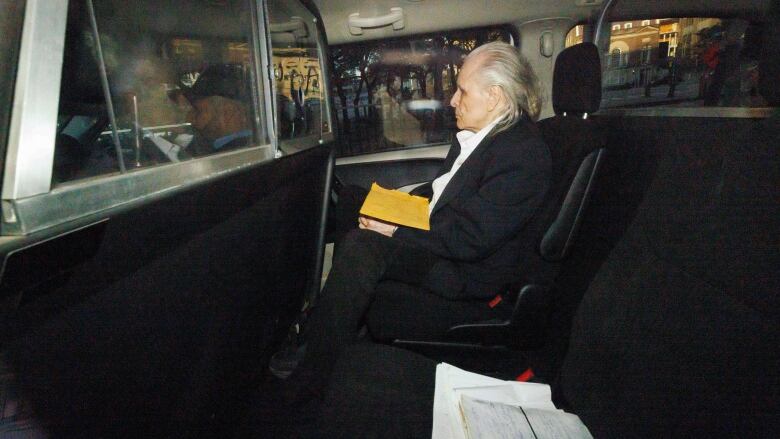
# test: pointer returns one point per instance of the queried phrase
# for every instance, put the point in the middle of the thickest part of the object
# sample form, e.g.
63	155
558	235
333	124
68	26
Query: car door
128	243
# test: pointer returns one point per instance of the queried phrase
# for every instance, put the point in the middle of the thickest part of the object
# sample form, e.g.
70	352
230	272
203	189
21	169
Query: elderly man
490	185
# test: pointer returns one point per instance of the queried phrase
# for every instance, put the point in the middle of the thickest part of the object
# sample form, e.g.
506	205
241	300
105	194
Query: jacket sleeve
513	184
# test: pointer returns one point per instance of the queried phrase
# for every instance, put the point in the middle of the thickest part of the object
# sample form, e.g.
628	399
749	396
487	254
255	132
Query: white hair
502	65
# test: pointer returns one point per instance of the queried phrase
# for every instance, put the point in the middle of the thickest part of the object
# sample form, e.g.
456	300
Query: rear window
392	94
680	62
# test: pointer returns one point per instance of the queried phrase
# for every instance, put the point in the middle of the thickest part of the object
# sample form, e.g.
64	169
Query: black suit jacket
477	225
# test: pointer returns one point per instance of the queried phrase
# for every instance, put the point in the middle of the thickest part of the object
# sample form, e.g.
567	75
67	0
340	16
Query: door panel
203	282
393	169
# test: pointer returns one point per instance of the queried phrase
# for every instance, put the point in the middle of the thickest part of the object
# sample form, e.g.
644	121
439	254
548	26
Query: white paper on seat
490	408
495	420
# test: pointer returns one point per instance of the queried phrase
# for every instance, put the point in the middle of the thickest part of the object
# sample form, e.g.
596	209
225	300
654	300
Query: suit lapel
460	177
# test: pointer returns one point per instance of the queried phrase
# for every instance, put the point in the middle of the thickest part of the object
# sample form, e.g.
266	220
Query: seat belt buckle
525	376
495	301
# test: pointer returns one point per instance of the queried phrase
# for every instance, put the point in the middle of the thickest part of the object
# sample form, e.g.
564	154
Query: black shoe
284	362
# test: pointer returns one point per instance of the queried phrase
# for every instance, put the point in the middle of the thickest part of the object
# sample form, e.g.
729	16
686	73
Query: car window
680	62
180	87
11	16
301	110
392	94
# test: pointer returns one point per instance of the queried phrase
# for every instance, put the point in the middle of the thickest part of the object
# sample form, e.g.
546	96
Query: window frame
11	24
30	202
30	151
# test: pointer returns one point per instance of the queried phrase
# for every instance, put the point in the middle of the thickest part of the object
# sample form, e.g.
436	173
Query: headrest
577	80
769	65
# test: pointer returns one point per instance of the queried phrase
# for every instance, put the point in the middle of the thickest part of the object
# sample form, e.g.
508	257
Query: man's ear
495	97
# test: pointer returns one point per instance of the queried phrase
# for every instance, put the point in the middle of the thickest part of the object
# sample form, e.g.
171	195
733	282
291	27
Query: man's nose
455	98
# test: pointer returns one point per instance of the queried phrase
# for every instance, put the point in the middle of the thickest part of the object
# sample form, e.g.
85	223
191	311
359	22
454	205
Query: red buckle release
525	376
496	300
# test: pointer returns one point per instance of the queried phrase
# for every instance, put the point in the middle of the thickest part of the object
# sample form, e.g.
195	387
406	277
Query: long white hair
502	65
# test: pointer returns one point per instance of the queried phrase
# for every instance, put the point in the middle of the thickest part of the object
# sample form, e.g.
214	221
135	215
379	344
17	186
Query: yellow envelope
396	207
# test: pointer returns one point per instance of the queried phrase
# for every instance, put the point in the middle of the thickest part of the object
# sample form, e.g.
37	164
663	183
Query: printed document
471	406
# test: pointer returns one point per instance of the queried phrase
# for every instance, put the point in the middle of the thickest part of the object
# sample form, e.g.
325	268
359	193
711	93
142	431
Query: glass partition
179	82
302	116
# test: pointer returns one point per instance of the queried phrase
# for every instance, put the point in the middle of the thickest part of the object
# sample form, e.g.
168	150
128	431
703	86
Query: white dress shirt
468	141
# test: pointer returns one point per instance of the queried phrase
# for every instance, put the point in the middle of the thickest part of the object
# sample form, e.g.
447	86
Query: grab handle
357	24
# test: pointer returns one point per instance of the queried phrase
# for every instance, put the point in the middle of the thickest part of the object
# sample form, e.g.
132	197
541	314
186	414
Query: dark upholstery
677	334
392	389
769	65
397	307
560	235
142	356
577	80
175	347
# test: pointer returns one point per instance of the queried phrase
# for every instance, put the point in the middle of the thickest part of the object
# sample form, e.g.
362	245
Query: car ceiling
424	16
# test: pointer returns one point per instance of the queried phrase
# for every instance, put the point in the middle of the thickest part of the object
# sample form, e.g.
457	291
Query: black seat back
559	236
677	334
576	143
577	147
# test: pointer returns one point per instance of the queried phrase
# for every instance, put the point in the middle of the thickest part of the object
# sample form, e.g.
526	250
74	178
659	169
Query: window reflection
301	109
180	86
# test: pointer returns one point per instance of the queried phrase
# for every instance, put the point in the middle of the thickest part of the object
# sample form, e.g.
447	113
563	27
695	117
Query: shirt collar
470	139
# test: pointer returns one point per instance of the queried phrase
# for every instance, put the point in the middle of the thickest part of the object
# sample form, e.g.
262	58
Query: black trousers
389	278
364	259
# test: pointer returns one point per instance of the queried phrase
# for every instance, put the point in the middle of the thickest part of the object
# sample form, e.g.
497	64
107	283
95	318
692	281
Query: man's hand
375	225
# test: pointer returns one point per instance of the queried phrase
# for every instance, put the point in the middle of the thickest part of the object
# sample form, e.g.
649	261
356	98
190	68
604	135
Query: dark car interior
649	304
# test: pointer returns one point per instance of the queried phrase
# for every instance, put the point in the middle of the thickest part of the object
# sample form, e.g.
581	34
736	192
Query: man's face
473	103
204	119
216	116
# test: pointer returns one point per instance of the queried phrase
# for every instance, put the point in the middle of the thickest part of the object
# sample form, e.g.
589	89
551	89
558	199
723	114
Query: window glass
680	62
576	35
392	94
179	80
301	110
11	17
